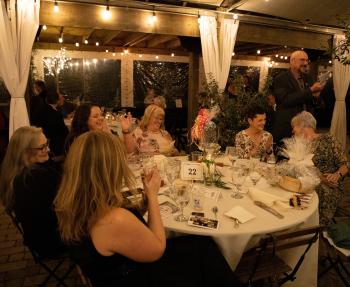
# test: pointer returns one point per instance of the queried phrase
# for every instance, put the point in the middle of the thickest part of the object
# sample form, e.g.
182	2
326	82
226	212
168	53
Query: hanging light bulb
233	53
106	14
86	42
106	50
60	39
97	43
154	17
44	27
76	44
157	57
235	16
113	54
126	51
172	55
55	7
258	52
140	56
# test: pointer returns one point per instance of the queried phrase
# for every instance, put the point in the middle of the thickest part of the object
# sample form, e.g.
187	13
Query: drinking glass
238	177
231	153
172	171
182	198
255	177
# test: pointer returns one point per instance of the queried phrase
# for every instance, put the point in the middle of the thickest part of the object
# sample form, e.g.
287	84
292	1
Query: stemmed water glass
172	171
182	198
238	178
255	177
231	153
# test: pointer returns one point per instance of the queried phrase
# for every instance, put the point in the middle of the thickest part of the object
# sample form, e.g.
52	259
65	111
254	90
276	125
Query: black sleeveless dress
188	261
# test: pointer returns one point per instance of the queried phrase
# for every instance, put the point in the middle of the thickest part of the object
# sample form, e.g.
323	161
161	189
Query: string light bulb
233	53
44	27
126	51
154	17
106	50
56	9
60	39
97	43
113	54
106	14
172	55
235	16
157	57
258	52
86	42
140	56
76	44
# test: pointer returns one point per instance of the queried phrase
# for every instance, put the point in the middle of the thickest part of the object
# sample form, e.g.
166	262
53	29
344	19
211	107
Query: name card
191	170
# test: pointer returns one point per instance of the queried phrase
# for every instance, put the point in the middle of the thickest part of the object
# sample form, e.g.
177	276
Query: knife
269	209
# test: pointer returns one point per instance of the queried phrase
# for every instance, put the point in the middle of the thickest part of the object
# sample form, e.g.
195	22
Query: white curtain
341	80
217	52
17	34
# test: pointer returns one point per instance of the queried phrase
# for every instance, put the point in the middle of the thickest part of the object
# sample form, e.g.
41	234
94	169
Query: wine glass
238	178
182	198
231	153
172	171
255	177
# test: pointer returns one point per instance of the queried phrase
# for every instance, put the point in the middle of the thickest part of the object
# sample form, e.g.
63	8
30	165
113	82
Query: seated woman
86	118
331	161
254	141
111	242
28	185
150	136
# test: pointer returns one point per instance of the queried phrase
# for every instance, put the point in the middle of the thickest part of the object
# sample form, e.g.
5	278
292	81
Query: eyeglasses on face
43	146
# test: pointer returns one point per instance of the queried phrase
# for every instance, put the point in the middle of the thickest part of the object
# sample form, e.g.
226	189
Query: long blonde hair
149	111
94	173
17	157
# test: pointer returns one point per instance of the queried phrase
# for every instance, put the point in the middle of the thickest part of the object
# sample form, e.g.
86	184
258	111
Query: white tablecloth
234	241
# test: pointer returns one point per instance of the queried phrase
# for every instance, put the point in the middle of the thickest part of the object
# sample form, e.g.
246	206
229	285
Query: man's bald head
299	62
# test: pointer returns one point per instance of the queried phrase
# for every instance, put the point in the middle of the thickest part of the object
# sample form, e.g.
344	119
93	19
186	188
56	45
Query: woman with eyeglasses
28	184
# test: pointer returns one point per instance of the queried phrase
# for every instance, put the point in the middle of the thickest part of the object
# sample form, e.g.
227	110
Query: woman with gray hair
329	158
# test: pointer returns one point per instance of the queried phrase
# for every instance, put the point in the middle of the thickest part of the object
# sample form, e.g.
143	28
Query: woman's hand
151	183
105	126
331	179
126	122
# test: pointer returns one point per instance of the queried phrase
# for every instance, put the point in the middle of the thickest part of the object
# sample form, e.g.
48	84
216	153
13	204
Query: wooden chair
46	263
263	264
336	257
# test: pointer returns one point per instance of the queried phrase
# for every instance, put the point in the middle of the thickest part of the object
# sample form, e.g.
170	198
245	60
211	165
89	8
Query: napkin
269	199
240	213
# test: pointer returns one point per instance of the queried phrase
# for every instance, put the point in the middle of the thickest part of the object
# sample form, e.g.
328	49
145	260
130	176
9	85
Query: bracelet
126	132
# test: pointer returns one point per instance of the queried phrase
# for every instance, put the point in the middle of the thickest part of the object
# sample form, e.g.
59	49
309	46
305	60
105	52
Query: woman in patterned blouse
329	158
254	141
150	136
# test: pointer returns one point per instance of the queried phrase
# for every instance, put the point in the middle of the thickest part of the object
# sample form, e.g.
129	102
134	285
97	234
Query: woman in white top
150	136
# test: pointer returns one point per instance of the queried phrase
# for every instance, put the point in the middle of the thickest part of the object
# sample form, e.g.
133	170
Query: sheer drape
17	34
217	52
341	76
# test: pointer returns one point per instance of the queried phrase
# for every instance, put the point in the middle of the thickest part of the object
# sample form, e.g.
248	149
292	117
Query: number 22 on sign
191	170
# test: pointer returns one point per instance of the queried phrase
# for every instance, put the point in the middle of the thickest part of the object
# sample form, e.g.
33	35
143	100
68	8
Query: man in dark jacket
53	124
294	92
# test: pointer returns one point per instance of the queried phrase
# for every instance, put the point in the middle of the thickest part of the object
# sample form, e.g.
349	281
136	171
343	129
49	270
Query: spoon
215	210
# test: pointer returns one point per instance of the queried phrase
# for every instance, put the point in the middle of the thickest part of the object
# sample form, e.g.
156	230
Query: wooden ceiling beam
122	19
92	48
158	40
109	37
173	44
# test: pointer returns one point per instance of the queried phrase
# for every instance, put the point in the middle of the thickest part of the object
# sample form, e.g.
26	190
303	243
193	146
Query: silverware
269	209
215	210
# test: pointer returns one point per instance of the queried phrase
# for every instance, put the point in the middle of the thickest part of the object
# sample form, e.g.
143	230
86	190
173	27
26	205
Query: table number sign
191	170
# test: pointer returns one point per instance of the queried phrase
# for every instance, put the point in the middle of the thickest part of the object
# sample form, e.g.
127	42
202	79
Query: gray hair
304	120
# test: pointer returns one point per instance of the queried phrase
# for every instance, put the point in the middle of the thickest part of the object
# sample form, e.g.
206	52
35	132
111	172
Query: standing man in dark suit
294	92
53	124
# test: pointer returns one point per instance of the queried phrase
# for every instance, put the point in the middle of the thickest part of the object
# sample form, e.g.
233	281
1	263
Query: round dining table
234	241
